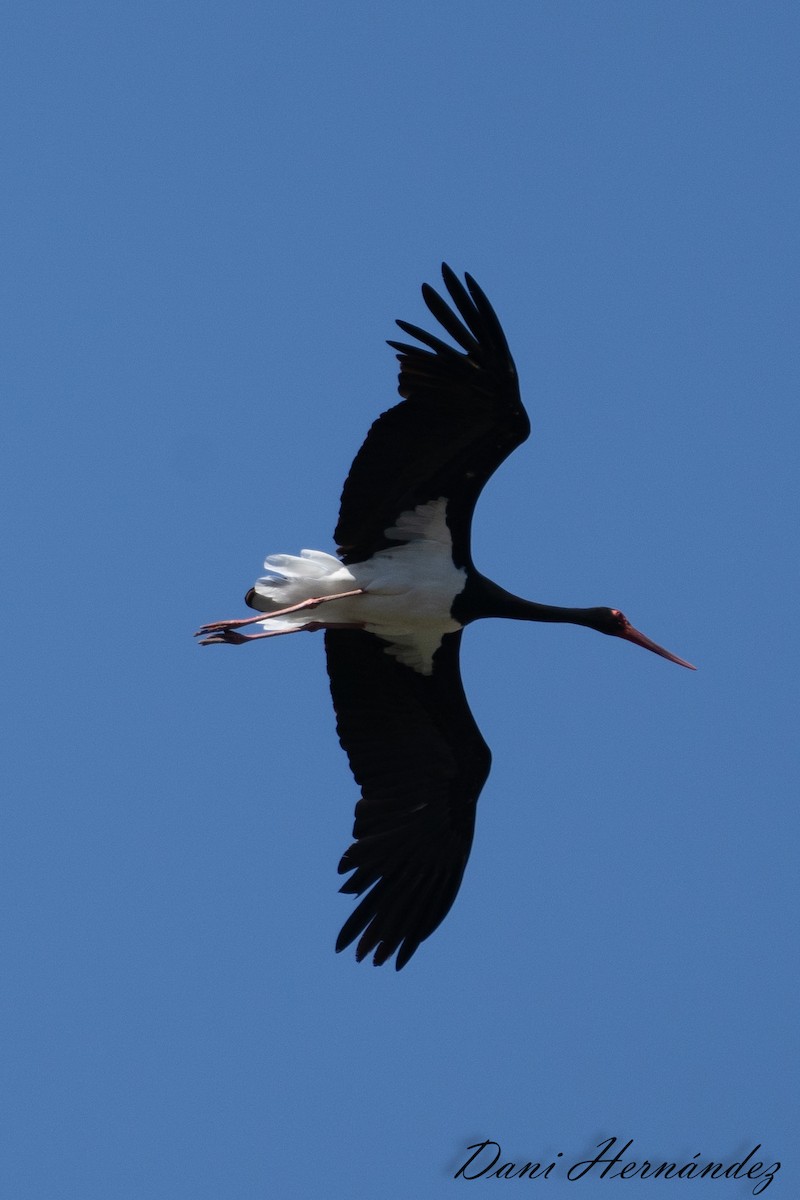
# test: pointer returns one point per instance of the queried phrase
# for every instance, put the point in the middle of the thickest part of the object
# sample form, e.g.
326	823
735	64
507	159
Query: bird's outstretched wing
419	757
460	418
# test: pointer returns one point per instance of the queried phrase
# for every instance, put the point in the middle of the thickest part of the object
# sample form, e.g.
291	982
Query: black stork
393	605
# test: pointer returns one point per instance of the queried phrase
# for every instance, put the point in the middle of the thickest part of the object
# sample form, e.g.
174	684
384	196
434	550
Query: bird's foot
229	626
222	636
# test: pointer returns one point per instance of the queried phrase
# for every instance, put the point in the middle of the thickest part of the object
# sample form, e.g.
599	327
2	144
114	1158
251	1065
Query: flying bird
393	605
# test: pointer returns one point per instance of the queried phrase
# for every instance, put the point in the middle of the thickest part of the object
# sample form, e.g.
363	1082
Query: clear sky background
211	216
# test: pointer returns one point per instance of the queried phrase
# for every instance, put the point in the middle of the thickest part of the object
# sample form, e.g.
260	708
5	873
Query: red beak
633	635
639	639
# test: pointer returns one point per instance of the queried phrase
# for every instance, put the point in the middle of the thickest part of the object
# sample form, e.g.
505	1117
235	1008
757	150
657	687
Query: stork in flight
393	605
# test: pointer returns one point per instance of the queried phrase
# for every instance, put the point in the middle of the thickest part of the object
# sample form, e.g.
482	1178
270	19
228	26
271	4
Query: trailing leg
225	631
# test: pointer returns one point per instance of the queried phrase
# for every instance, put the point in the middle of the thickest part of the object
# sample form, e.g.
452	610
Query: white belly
408	590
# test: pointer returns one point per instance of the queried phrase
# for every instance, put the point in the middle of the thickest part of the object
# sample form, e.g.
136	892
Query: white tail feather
290	579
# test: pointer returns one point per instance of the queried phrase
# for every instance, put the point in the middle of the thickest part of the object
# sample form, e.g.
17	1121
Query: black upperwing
460	418
419	757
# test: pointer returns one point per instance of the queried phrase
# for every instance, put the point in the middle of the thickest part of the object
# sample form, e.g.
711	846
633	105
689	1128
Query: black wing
461	417
419	757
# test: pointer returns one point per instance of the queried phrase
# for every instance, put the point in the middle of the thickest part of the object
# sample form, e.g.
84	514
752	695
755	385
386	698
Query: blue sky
212	215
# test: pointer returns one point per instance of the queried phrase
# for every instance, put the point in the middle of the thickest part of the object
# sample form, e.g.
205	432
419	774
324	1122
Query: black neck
482	598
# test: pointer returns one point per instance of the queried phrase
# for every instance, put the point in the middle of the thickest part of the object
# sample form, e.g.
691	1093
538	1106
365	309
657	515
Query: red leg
231	637
225	626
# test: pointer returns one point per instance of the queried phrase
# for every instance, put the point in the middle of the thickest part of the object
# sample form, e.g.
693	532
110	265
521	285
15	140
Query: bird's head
614	622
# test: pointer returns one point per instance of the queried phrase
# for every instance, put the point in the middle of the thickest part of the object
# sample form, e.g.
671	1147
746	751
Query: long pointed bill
639	639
